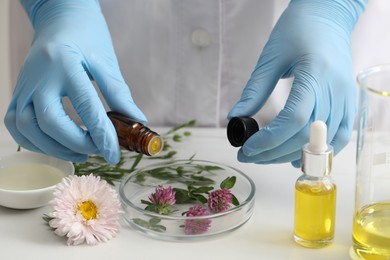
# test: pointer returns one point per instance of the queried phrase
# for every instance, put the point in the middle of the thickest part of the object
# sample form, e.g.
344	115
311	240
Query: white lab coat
190	59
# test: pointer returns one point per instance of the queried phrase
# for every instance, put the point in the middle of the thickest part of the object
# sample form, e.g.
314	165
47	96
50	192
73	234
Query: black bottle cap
240	129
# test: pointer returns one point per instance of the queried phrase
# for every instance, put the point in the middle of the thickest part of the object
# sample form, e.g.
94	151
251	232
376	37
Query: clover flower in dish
197	226
85	209
220	200
161	200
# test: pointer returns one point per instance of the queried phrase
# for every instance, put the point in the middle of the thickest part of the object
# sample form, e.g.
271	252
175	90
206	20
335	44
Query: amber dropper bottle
134	136
315	192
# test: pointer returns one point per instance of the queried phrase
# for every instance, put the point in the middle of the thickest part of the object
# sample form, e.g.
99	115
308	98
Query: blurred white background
370	42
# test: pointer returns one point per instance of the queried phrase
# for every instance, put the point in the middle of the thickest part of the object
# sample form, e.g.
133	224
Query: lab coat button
201	38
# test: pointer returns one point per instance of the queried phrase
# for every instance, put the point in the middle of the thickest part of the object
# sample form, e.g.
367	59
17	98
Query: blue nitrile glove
71	46
310	42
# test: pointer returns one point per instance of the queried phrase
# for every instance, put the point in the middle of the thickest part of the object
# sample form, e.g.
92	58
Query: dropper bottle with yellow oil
315	192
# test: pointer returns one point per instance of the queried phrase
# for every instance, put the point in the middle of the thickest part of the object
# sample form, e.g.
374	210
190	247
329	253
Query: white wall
5	79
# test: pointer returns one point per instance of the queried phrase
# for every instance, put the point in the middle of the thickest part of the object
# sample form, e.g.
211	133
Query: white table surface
267	235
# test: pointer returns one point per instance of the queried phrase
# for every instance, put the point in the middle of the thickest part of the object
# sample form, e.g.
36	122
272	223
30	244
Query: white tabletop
267	235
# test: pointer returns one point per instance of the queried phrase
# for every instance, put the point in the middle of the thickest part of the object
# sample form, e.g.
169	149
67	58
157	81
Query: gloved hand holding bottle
312	43
71	46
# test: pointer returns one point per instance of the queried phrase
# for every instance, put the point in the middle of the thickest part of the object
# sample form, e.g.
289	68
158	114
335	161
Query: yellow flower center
87	209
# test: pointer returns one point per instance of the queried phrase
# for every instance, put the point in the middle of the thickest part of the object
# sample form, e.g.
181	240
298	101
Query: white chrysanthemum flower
85	209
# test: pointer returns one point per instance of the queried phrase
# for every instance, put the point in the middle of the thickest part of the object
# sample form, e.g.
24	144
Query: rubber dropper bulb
317	155
318	134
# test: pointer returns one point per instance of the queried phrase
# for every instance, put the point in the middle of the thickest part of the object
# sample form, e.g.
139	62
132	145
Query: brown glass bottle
135	136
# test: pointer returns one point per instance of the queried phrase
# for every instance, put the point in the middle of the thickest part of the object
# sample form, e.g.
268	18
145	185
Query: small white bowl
27	180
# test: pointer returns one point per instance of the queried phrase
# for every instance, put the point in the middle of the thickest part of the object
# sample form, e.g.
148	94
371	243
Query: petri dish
186	177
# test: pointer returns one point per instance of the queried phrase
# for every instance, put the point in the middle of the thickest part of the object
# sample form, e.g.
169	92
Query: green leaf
187	124
176	138
180	171
182	196
152	224
201	180
192	157
154	221
141	222
146	202
203	189
158	228
136	161
166	146
110	182
152	208
228	183
168	155
162	174
210	168
202	199
46	218
235	201
140	178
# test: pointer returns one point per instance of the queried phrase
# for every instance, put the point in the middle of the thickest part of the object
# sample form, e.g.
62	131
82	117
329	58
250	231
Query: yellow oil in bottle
371	231
315	209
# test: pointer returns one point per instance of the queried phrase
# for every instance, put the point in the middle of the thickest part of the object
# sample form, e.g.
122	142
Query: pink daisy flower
85	209
197	226
220	200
